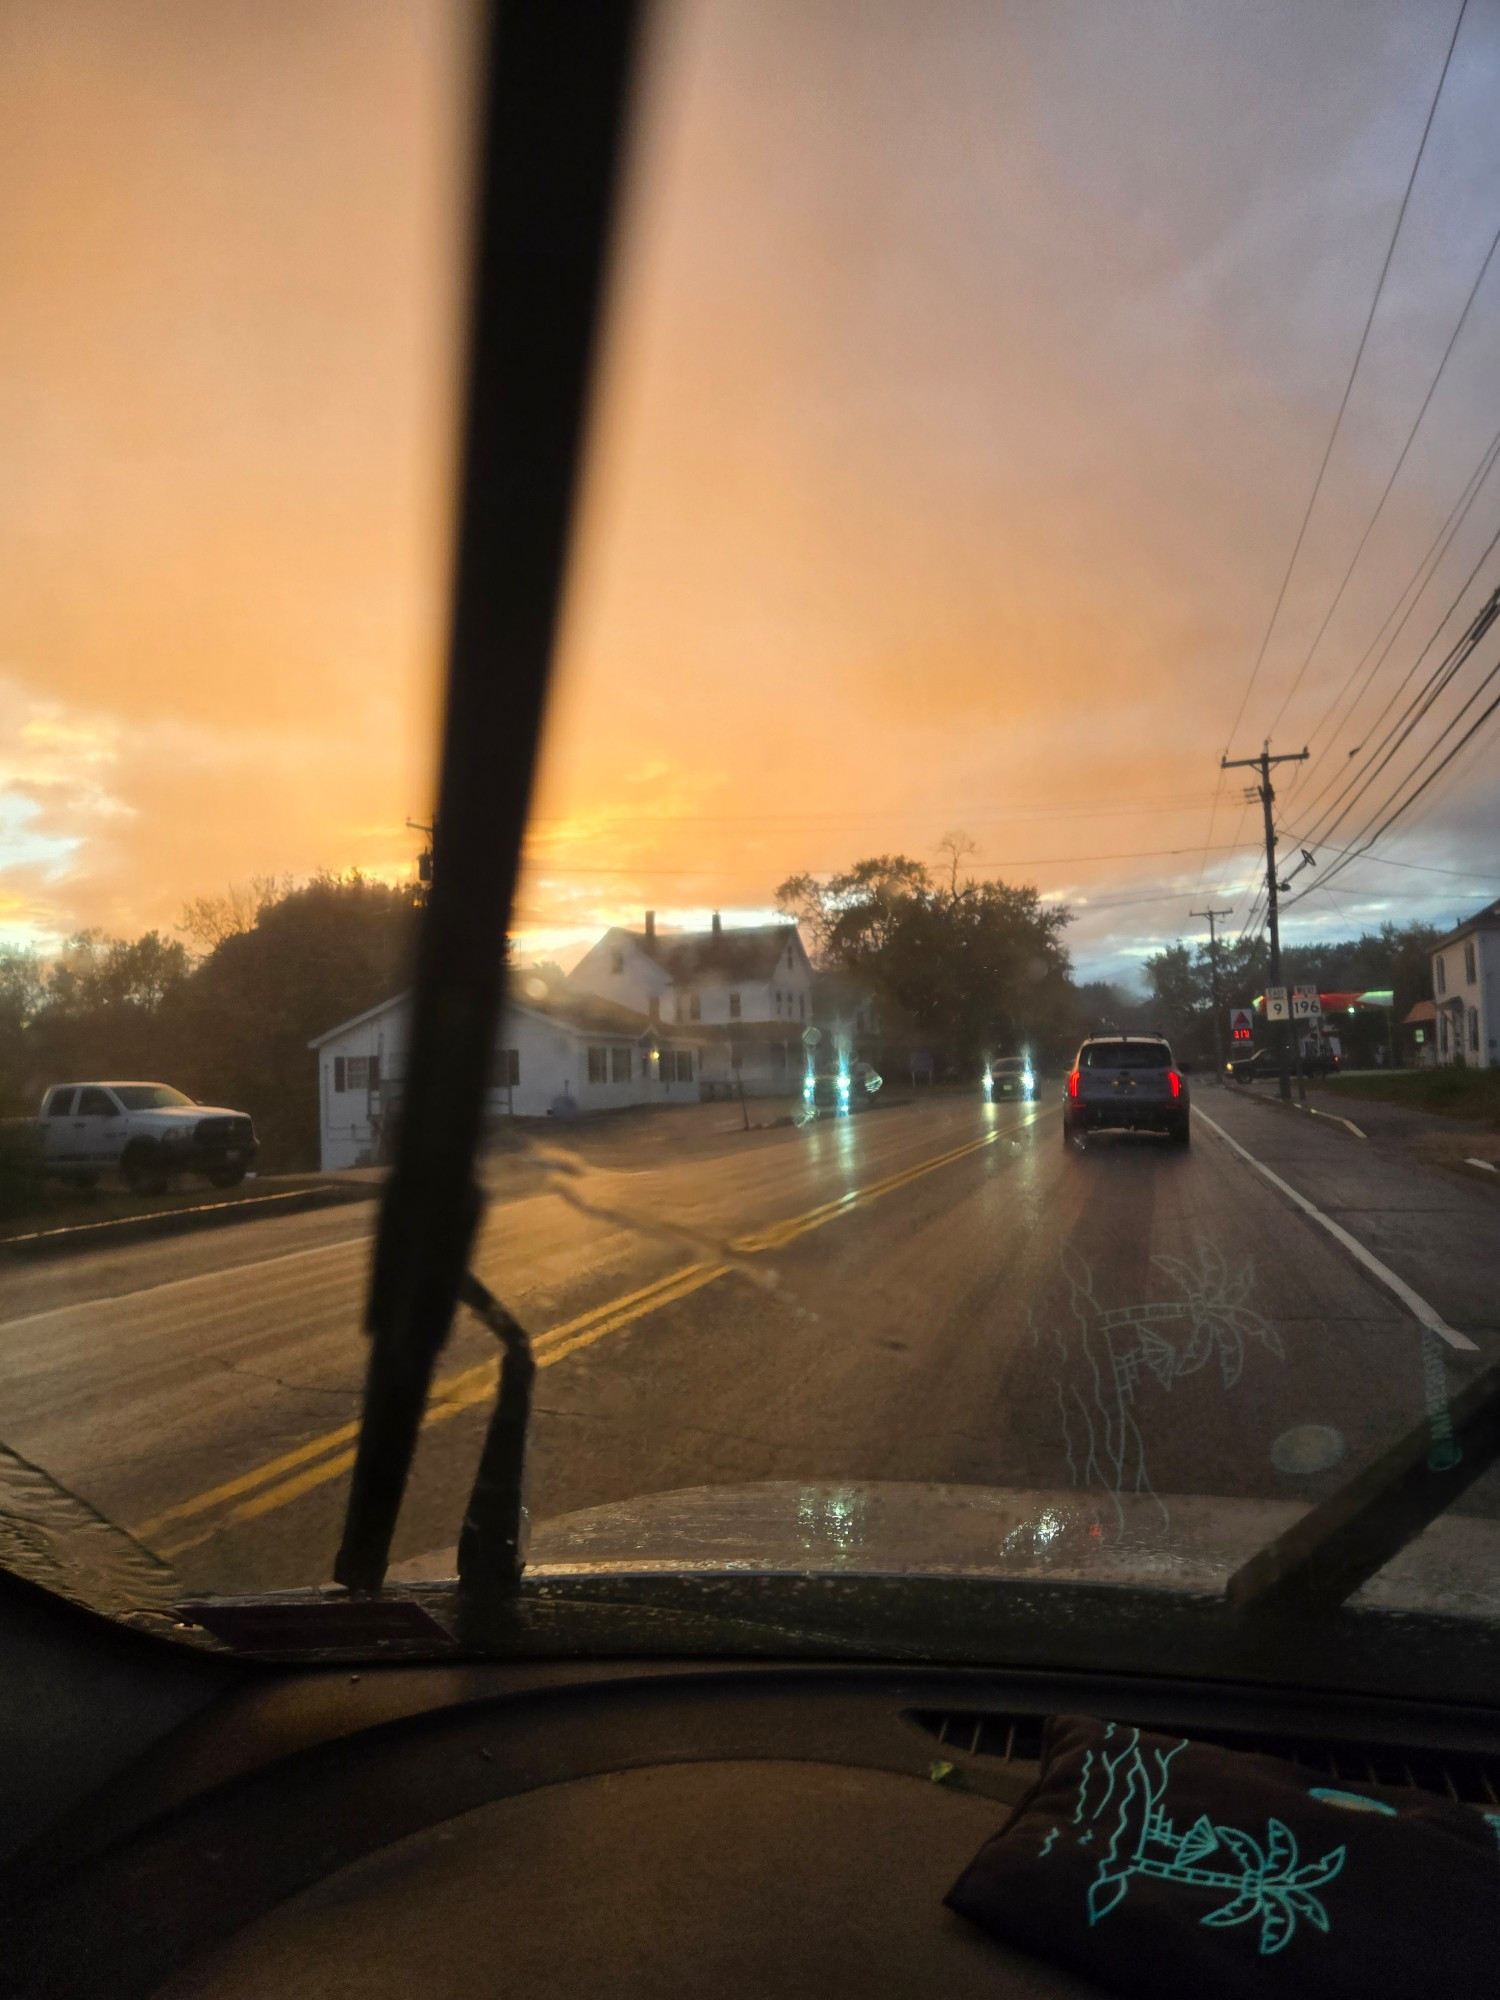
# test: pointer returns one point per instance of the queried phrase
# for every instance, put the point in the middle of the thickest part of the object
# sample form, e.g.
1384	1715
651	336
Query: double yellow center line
279	1481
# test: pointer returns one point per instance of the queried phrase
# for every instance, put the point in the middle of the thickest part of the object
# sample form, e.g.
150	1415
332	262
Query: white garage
560	1053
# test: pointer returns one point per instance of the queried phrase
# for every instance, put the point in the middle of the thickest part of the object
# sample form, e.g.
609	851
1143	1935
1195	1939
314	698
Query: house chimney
650	925
718	926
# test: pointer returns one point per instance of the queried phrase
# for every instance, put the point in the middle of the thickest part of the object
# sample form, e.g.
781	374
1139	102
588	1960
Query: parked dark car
1126	1083
1267	1062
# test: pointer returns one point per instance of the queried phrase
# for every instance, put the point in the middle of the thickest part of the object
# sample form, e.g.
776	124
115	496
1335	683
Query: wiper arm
556	90
1341	1543
490	1551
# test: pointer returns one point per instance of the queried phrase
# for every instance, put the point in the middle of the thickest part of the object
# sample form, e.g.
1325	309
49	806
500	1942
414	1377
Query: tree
209	920
958	847
970	972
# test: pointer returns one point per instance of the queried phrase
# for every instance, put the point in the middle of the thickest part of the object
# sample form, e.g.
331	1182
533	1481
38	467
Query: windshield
149	1096
1029	582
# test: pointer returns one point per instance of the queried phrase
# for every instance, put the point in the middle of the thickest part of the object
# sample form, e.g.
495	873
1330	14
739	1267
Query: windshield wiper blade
1341	1543
556	91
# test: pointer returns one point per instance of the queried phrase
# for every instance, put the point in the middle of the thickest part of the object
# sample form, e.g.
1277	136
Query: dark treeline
1397	957
227	1020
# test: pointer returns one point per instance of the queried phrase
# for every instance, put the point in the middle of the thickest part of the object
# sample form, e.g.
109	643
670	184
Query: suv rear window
1125	1055
1006	1064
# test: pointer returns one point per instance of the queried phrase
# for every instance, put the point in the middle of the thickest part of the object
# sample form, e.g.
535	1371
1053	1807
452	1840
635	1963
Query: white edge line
1488	1165
1425	1314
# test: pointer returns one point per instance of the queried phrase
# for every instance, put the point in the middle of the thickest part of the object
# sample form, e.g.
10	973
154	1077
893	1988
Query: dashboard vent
1014	1739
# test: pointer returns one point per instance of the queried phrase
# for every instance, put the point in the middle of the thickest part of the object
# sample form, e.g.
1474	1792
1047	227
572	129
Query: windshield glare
963	652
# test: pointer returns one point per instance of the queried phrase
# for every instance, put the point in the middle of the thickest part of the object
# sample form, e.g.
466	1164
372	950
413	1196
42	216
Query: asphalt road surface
940	1291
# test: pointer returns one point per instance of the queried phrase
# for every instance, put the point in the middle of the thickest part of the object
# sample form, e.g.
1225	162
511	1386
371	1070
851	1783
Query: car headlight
1028	1081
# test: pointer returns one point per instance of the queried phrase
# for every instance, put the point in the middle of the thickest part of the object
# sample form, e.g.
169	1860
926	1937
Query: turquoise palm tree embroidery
1116	1348
1122	1790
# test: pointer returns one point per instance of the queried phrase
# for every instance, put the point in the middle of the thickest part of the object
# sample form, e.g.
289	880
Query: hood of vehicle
1183	1543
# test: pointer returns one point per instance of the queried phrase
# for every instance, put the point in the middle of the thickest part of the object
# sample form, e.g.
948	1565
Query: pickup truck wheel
143	1171
226	1177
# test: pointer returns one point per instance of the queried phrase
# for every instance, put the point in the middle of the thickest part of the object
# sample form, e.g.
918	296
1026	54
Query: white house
558	1052
746	995
1466	991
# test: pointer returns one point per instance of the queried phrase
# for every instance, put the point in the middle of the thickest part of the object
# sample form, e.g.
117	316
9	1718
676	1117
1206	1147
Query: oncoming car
1010	1076
1126	1083
851	1089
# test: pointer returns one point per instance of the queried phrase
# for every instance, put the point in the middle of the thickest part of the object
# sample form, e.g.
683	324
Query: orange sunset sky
968	375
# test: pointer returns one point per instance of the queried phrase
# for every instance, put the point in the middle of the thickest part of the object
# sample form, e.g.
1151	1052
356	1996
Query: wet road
938	1291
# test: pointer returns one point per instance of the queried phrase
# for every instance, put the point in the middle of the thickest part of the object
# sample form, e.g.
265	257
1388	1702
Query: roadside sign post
1241	1031
1306	1006
1213	964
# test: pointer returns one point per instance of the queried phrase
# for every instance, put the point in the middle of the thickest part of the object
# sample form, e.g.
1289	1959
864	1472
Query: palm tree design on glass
1121	1794
1115	1347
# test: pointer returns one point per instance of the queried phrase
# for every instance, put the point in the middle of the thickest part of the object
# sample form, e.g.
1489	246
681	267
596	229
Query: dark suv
1126	1083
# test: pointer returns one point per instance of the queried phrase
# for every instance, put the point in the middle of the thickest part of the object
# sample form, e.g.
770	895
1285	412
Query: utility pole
1213	961
1263	764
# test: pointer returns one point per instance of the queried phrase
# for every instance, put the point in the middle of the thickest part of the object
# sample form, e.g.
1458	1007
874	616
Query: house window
695	1007
1471	970
778	1058
684	1064
507	1068
619	1065
1474	1029
617	961
356	1072
598	1065
734	1006
801	1006
1439	975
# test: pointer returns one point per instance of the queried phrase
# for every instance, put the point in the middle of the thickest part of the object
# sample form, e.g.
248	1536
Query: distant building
558	1051
744	995
1466	991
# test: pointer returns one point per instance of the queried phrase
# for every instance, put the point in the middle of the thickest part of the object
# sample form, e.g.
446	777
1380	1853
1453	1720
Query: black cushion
1160	1867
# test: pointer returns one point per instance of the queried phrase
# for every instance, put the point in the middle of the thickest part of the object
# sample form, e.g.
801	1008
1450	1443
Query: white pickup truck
147	1130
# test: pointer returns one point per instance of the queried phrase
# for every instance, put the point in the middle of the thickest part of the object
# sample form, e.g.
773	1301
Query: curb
1305	1111
125	1229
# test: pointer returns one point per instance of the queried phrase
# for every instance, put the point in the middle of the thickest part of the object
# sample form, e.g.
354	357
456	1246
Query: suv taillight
1175	1081
1072	1083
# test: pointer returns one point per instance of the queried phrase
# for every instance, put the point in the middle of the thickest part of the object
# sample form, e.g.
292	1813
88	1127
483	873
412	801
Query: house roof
584	1012
396	1001
685	956
1487	919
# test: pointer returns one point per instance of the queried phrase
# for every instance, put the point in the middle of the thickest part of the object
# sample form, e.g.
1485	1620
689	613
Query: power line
1437	675
1353	372
1434	556
1351	853
1438	681
1395	473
